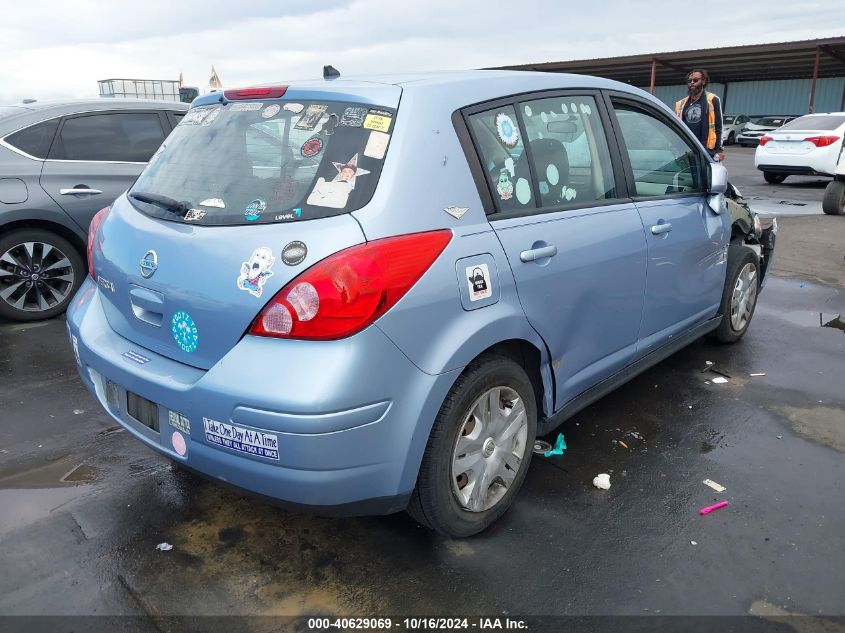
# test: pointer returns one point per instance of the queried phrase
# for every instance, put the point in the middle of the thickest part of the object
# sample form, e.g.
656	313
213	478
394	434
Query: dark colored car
61	162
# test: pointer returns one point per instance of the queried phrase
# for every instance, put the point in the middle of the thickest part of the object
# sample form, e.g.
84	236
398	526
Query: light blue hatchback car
363	296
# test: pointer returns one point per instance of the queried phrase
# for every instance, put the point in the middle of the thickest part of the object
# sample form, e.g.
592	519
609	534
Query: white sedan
810	145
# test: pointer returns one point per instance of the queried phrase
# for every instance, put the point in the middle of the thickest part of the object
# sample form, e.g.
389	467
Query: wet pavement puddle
815	319
33	504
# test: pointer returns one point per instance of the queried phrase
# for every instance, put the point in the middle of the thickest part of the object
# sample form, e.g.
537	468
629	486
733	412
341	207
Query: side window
662	160
175	118
109	137
36	139
567	144
499	143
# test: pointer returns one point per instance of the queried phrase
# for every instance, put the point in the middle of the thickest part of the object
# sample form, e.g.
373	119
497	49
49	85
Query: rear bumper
792	170
347	421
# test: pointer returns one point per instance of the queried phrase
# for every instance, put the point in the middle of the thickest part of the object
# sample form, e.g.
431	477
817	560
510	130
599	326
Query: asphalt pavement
84	507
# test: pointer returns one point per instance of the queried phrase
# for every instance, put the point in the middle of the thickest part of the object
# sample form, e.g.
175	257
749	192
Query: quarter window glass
35	140
662	161
569	149
499	143
109	137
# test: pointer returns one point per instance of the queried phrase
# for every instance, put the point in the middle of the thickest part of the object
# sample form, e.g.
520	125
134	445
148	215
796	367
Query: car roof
460	87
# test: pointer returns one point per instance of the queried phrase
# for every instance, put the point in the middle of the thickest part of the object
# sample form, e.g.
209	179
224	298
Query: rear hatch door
242	197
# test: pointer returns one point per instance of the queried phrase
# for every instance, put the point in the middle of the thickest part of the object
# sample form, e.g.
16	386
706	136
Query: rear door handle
74	192
657	229
538	253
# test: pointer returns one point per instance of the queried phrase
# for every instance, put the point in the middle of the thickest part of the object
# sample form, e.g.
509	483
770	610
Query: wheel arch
54	227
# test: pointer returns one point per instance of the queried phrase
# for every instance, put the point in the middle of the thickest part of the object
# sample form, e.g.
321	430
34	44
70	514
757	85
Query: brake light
96	221
765	139
347	291
262	92
822	141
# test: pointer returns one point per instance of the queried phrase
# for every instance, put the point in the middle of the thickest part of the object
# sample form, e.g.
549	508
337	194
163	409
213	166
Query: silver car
60	162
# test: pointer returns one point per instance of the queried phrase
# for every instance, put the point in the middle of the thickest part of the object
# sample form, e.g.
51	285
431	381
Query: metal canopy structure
759	62
789	60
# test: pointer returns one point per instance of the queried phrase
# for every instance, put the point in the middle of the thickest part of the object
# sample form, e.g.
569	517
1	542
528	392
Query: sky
59	49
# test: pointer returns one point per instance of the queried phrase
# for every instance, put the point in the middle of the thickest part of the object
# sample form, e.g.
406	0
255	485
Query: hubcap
490	449
35	276
744	297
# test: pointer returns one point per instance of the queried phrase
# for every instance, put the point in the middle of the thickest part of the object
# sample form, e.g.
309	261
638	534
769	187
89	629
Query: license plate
143	410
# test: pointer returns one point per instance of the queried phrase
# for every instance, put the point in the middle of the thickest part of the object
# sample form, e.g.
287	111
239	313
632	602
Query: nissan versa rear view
366	296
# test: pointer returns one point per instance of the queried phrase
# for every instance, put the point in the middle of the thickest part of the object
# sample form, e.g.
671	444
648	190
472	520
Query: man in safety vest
702	116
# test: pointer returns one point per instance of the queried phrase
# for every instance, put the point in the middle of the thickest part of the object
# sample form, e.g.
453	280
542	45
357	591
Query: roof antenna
330	72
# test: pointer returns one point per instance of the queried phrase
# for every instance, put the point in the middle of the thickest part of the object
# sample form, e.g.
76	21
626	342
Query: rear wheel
774	179
731	138
833	202
39	274
739	297
478	451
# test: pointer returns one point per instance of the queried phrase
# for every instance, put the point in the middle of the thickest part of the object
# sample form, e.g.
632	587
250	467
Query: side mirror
718	179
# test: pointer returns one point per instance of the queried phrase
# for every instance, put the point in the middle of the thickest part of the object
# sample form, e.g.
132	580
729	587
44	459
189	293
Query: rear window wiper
165	202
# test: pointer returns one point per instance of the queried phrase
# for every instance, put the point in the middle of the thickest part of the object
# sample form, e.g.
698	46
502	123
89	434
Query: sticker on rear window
353	117
378	120
376	145
254	209
256	271
271	110
195	116
311	147
329	126
210	117
213	202
311	117
247	107
192	215
185	331
296	108
349	171
242	440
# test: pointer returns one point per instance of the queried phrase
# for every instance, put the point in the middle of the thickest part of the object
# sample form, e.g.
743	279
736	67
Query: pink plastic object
715	506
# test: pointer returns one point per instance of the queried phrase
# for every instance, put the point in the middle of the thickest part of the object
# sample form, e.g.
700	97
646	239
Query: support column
653	73
815	77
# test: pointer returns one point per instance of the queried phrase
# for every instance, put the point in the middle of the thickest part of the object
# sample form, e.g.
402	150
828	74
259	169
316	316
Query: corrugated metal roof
784	60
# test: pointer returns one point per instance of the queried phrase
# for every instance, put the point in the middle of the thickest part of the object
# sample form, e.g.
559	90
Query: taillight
766	139
347	291
261	92
92	235
822	141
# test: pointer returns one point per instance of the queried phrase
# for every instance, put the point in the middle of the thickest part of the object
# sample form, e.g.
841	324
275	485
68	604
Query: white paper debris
714	485
693	543
762	373
602	481
164	547
719	380
78	411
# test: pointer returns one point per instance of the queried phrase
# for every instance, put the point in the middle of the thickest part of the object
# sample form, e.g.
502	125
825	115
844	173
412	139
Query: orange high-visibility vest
711	117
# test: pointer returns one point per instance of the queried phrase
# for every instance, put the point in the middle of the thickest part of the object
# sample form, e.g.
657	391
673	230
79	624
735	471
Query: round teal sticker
185	331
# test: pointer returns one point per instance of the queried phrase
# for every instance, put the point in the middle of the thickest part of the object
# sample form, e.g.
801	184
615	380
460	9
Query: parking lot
85	505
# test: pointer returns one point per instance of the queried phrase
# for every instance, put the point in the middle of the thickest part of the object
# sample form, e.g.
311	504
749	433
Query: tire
739	297
484	449
773	179
833	202
731	138
39	274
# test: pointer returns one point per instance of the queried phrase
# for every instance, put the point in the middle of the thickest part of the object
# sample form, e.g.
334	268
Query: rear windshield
267	161
816	122
729	118
771	121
